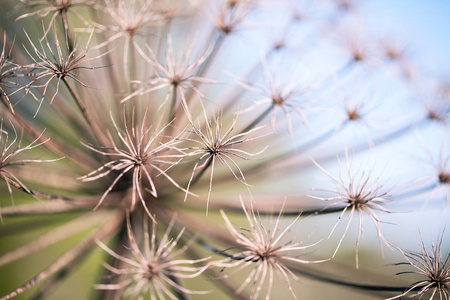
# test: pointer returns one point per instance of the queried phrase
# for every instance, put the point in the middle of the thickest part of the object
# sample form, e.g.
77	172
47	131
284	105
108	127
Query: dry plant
189	148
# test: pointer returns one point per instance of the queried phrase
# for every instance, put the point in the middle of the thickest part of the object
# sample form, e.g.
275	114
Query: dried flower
357	194
215	144
277	94
10	148
59	63
161	120
55	8
154	270
8	71
266	249
434	266
142	153
228	15
178	73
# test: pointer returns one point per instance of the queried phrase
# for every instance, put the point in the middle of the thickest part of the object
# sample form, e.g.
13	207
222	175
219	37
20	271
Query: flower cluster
434	266
137	134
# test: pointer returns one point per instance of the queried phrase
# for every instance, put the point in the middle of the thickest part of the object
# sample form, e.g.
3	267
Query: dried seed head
55	8
346	5
227	17
129	18
434	266
140	154
278	93
154	270
59	62
9	72
214	145
437	115
179	72
264	248
10	149
357	43
436	102
353	113
444	177
360	194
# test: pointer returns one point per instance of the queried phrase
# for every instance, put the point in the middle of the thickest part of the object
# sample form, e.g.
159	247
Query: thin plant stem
60	233
120	240
417	191
219	279
65	24
173	105
215	49
203	69
258	119
382	140
307	146
202	171
36	193
97	132
355	149
85	245
112	75
343	71
39	208
58	278
55	148
355	285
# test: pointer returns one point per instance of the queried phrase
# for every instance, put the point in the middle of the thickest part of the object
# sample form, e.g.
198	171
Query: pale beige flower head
140	154
152	268
358	193
266	250
433	267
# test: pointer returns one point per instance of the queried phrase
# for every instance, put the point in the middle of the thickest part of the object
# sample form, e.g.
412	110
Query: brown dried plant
145	115
434	266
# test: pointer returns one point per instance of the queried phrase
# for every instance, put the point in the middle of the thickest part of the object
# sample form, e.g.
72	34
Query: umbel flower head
278	95
142	154
356	194
54	8
214	144
434	268
178	73
264	248
124	134
59	63
154	270
9	73
11	149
